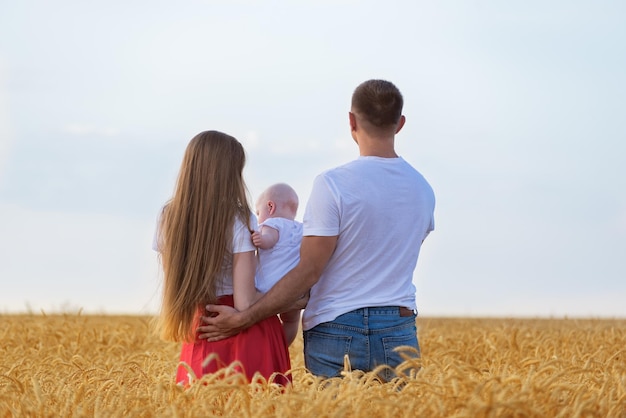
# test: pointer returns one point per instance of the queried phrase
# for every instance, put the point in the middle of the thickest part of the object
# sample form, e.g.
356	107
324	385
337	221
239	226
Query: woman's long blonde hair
196	229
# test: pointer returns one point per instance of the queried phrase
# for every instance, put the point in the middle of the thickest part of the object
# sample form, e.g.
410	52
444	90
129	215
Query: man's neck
377	147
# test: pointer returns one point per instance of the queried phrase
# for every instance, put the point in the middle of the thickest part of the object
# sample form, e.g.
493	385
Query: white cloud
250	140
78	129
621	220
61	260
6	134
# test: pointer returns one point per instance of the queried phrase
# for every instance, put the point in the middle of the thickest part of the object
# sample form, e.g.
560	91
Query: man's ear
352	118
400	123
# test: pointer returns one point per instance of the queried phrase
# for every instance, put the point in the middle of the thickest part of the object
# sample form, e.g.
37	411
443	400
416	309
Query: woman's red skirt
261	348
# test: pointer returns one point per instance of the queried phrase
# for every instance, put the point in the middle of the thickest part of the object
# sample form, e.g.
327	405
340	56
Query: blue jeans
367	335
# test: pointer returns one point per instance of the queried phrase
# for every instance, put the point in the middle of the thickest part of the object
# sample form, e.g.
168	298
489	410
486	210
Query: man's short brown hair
379	102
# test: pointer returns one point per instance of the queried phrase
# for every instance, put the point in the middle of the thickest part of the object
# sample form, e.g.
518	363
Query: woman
207	254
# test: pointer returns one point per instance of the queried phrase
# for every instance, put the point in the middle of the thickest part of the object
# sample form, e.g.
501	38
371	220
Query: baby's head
277	201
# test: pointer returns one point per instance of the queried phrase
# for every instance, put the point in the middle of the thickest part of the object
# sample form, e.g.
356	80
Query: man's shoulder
338	168
342	169
367	164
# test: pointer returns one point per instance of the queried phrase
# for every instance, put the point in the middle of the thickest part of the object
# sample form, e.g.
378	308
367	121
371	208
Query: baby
278	239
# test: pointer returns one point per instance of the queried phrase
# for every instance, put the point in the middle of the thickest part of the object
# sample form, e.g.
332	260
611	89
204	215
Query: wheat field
75	365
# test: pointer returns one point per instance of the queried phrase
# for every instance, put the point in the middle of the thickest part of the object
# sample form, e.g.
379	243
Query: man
363	228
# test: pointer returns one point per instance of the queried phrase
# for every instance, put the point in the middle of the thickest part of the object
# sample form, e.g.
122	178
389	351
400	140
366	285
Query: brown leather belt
406	311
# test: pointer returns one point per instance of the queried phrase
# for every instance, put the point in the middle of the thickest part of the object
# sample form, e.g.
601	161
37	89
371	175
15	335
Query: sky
514	115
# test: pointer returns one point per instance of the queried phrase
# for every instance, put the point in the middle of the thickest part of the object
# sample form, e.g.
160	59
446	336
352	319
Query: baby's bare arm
265	238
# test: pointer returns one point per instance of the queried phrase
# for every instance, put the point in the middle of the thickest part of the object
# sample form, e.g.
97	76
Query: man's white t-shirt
381	209
277	261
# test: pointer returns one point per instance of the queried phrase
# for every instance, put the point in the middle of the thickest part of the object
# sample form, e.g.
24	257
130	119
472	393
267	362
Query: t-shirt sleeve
275	223
242	238
321	217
